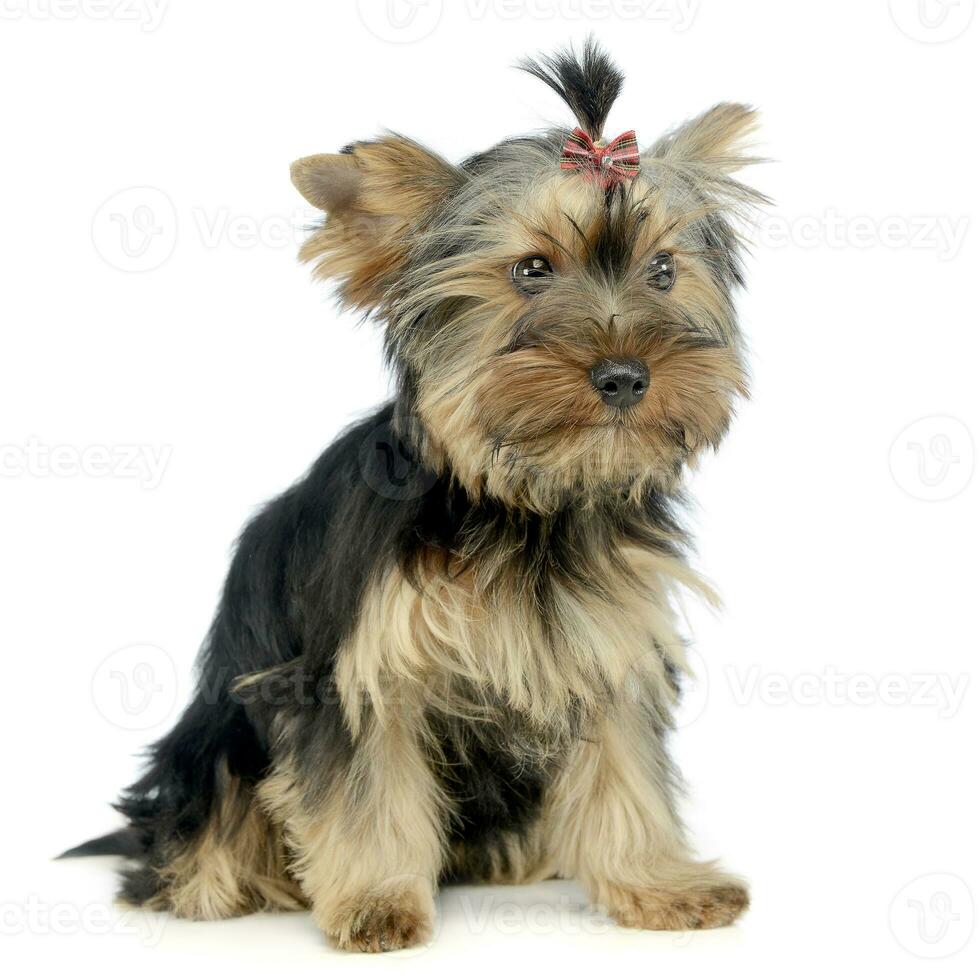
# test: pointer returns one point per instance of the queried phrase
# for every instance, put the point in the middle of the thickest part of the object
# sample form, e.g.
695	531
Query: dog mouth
622	422
551	415
641	437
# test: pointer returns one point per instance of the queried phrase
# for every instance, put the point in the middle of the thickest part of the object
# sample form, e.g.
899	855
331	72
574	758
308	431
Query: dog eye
662	271
530	275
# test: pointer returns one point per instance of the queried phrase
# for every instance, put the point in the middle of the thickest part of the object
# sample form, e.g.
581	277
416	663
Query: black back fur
291	598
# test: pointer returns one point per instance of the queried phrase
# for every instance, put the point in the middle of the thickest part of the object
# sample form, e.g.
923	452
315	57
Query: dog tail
125	843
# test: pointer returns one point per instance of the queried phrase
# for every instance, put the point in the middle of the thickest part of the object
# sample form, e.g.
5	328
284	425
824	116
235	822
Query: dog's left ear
376	195
715	141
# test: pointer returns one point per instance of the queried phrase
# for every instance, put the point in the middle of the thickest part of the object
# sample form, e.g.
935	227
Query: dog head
558	308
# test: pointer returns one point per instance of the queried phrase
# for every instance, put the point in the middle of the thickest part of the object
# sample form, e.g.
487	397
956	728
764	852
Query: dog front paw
705	904
380	923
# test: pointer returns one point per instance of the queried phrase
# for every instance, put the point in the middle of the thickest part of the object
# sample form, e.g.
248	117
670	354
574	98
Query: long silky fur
588	82
449	650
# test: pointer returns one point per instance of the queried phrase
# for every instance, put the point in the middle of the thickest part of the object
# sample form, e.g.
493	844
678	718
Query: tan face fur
515	409
497	381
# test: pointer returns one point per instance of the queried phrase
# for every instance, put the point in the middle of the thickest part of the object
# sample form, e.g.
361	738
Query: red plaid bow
608	163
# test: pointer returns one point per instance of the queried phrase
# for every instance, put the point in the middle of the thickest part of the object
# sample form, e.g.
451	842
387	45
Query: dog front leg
613	825
369	855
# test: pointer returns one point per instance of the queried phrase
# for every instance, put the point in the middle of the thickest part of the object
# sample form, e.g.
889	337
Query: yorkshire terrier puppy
449	651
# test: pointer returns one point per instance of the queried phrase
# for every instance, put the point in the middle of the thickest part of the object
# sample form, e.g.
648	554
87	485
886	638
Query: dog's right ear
376	196
714	142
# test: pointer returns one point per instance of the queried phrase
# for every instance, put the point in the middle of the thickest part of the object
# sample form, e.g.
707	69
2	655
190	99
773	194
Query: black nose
621	382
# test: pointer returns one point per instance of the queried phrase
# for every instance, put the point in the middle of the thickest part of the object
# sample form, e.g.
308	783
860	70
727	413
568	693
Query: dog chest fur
497	637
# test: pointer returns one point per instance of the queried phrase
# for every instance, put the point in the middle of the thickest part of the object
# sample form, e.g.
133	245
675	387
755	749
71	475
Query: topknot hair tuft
588	81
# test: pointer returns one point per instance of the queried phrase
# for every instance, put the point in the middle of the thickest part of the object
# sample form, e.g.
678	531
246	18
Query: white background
831	740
